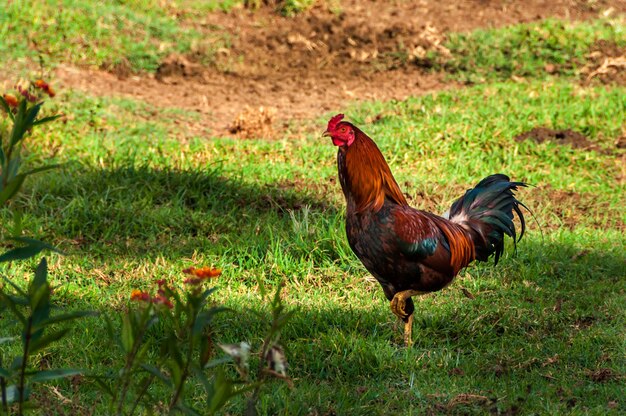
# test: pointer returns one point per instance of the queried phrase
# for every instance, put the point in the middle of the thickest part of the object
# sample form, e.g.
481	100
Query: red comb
334	121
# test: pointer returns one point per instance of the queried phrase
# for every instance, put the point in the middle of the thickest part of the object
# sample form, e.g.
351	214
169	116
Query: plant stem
20	387
179	388
127	369
144	389
251	405
3	387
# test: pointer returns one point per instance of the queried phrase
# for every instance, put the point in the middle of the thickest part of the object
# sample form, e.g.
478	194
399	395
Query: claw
398	307
398	304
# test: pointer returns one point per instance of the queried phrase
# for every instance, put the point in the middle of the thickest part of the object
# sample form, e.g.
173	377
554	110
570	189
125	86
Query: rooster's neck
365	177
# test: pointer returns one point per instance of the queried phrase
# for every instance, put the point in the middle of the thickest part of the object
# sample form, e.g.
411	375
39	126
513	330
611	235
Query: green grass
134	34
137	34
135	205
524	50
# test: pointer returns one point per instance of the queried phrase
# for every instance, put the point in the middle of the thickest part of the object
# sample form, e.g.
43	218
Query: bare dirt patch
602	375
303	67
254	122
177	66
573	208
563	137
606	64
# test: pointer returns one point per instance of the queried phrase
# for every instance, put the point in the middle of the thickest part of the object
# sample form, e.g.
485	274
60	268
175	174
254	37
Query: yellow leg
408	330
398	304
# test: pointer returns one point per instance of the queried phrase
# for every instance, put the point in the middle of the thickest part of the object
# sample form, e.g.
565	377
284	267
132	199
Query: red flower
41	84
26	94
11	100
139	295
162	300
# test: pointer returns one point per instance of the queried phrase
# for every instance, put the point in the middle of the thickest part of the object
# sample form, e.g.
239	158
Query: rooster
412	252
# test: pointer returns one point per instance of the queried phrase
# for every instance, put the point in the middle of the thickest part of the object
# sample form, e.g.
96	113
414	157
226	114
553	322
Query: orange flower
11	100
200	275
138	295
41	84
204	272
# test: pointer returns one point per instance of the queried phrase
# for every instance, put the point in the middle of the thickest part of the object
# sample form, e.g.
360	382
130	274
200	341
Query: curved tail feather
486	212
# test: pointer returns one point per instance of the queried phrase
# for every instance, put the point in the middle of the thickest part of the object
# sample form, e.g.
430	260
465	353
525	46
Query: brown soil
602	375
563	137
572	208
606	64
277	69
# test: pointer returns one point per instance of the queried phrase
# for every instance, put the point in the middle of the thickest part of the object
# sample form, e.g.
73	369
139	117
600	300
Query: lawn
135	202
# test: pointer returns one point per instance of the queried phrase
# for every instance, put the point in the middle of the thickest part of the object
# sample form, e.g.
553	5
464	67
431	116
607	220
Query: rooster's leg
402	307
408	330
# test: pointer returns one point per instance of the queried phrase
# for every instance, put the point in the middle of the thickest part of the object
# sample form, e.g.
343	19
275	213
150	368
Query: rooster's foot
398	307
398	303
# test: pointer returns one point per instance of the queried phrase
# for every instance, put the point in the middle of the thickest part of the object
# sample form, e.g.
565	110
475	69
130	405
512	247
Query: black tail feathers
486	212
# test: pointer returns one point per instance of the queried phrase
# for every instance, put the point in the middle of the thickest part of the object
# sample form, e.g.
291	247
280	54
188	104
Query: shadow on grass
141	211
549	293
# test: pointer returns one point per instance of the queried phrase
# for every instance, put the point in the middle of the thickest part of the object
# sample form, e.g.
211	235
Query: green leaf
46	340
208	293
31	115
13	394
202	378
109	326
34	242
46	375
41	274
16	287
158	373
43	169
19	123
40	303
186	410
16	229
202	320
143	350
69	316
128	338
283	319
14	303
104	386
221	390
46	119
12	167
205	350
11	188
39	294
176	371
4	373
174	351
5	107
16	364
31	249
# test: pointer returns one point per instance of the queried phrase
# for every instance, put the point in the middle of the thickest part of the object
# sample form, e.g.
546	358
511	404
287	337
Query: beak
326	134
